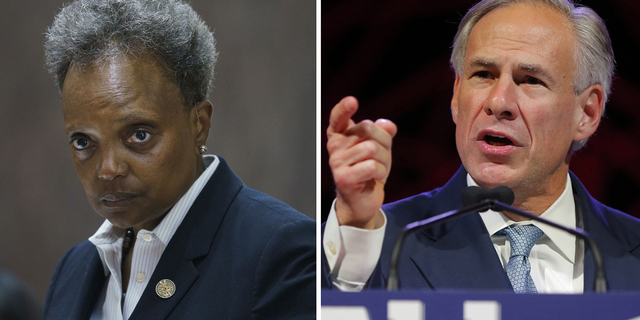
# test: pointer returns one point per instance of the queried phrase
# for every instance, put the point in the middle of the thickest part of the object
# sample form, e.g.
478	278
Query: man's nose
503	101
112	165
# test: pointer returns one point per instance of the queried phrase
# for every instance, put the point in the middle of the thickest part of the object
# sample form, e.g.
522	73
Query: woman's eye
80	143
140	137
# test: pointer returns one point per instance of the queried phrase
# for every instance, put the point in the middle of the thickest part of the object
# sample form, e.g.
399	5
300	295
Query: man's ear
202	122
454	99
589	112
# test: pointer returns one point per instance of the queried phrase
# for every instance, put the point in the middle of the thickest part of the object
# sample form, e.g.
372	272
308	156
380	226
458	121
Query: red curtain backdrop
394	57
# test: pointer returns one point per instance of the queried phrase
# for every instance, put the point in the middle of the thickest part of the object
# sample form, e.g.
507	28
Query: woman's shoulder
265	206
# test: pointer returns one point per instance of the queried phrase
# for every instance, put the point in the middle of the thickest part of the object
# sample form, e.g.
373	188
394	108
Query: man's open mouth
496	140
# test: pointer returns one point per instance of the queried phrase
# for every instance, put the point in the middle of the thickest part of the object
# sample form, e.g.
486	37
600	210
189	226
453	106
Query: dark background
394	57
264	100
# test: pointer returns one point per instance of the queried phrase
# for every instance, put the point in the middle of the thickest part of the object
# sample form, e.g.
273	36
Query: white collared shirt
557	259
147	251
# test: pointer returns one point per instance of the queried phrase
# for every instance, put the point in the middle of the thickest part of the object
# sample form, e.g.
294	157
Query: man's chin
493	175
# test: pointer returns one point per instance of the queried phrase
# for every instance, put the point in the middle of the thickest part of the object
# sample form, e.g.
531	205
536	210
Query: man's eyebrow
482	63
535	69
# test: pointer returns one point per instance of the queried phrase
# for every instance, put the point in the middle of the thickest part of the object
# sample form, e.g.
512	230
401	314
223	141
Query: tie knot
522	238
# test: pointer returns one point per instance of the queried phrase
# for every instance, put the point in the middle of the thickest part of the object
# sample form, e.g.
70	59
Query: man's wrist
345	215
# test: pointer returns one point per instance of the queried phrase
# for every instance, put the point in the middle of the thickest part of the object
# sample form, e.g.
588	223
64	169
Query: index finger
341	114
368	130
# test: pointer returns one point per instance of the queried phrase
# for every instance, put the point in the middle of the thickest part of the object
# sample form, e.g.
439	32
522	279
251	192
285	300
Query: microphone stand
393	283
600	284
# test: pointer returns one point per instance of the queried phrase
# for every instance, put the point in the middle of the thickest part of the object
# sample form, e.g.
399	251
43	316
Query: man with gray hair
532	79
183	237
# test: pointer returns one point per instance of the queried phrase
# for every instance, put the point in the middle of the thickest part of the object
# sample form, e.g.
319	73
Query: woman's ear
203	112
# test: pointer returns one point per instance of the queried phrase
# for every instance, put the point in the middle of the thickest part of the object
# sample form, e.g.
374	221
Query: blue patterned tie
522	239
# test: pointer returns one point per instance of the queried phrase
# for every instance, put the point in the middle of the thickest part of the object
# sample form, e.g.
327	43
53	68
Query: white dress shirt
147	251
557	259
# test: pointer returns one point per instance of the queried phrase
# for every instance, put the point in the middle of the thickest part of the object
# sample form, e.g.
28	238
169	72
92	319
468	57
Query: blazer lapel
91	287
472	262
179	269
463	242
192	240
621	266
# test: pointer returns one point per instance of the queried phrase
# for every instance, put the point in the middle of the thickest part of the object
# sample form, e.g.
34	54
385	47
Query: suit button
332	248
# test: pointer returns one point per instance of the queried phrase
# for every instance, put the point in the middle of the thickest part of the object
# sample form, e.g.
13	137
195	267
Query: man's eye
482	74
140	137
533	81
80	143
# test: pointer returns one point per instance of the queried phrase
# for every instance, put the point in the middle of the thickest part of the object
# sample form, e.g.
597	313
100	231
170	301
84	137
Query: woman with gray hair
183	237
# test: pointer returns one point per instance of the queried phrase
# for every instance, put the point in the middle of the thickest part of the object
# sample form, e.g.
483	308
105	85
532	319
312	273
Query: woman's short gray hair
593	54
86	32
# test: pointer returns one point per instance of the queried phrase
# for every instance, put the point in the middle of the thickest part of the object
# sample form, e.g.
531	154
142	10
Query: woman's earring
202	149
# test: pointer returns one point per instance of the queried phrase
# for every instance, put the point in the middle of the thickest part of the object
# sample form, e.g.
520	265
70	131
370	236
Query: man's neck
531	198
538	201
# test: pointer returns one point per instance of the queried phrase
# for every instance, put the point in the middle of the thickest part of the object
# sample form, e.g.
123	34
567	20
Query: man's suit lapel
463	241
192	240
601	226
473	263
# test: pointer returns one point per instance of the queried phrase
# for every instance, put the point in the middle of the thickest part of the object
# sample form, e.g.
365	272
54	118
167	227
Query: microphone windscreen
503	194
472	195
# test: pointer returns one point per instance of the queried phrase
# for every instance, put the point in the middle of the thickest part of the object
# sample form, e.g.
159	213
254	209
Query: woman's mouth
116	199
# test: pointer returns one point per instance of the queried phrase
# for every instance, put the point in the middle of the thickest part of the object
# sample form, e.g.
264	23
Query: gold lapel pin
165	288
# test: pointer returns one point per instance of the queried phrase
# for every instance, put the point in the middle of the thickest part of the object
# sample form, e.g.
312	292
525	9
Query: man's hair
88	32
593	53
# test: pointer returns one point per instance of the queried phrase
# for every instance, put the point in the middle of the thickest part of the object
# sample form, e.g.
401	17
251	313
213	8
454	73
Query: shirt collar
562	211
109	234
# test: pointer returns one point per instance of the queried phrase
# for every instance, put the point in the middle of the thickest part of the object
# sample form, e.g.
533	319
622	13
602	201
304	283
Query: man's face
132	143
514	106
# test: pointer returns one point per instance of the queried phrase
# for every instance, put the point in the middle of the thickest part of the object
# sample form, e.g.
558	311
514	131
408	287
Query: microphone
474	194
476	199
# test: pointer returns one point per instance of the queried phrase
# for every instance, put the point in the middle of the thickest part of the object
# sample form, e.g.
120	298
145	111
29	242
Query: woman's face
133	143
